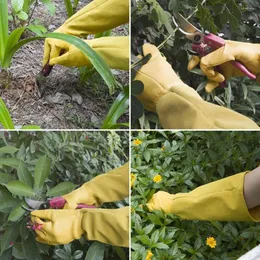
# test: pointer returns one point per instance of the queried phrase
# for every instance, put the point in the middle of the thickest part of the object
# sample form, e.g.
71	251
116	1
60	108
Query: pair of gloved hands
110	226
180	106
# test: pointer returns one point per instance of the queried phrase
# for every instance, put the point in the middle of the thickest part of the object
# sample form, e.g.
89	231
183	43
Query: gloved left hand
110	226
114	50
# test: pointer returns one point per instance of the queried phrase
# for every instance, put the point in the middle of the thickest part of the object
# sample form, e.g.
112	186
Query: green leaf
20	189
5	118
11	162
5	178
50	6
7	205
37	29
30	248
42	171
24	175
147	156
69	8
31	127
22	15
96	251
8	149
118	108
161	246
17	5
3	36
17	213
10	235
61	189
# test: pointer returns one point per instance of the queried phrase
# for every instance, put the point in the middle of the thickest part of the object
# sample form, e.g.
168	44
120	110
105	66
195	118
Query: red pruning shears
204	43
55	203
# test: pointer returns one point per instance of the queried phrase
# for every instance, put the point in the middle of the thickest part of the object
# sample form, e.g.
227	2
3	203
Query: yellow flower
149	255
157	178
211	242
137	142
163	148
133	178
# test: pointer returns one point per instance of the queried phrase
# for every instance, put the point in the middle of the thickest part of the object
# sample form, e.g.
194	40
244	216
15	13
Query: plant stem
14	20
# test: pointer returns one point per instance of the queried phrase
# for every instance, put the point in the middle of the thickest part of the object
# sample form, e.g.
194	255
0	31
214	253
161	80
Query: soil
65	103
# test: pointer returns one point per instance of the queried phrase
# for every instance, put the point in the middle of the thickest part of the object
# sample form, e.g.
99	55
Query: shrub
186	160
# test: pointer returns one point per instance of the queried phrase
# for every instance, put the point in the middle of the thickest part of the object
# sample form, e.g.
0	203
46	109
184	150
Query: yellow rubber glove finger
96	17
178	105
221	200
108	187
247	53
60	226
114	50
109	226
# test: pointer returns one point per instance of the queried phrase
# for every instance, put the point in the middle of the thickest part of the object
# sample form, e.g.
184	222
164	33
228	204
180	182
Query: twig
31	14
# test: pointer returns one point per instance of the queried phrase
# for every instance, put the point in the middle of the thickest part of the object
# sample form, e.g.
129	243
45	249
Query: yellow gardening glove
221	200
246	53
108	187
110	226
114	50
178	105
98	16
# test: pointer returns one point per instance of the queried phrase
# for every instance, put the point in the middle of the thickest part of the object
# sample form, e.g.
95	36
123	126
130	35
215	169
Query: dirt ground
65	104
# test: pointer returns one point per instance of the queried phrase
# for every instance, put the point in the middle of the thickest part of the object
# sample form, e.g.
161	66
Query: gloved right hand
246	53
108	187
178	105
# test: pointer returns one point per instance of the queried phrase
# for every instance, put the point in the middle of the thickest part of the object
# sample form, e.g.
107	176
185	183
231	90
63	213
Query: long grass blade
3	27
5	118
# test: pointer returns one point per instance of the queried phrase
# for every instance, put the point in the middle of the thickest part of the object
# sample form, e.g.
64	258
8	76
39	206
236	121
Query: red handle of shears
59	202
215	42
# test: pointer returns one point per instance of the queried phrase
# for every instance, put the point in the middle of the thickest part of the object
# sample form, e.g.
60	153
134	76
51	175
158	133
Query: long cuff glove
221	200
247	53
110	226
114	50
98	16
178	105
108	187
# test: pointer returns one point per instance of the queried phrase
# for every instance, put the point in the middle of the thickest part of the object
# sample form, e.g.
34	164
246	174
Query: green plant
47	164
186	160
235	20
71	8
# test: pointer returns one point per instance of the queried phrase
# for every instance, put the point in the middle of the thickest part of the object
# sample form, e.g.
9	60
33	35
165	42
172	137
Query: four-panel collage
129	129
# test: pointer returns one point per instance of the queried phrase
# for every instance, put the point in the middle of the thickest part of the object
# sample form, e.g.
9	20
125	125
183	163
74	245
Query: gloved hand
98	16
178	105
114	50
221	200
247	53
110	226
108	187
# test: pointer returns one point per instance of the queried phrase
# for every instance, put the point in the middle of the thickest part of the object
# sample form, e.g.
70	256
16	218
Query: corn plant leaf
12	162
117	109
3	28
96	251
31	127
69	8
5	178
17	213
8	149
10	235
24	175
5	118
61	189
42	170
19	188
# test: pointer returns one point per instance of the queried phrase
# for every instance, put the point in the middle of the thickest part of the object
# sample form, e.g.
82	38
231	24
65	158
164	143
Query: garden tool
96	17
55	203
110	226
222	200
178	105
108	187
204	43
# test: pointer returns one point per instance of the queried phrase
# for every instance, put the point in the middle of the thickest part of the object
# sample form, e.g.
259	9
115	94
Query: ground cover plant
234	20
61	109
48	164
179	162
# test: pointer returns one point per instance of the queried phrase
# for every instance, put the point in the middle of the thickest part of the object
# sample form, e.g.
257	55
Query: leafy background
186	160
237	20
67	159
